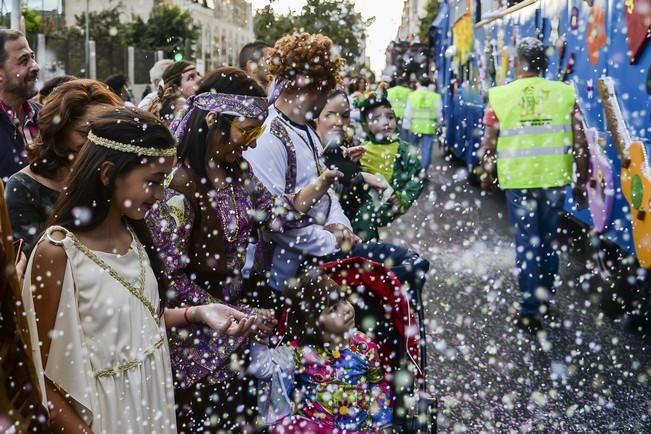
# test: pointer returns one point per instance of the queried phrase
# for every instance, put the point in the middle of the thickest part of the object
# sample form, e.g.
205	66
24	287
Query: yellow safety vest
425	106
398	98
534	147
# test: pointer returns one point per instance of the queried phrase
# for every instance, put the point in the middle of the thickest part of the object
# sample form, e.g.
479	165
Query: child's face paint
138	190
382	122
338	319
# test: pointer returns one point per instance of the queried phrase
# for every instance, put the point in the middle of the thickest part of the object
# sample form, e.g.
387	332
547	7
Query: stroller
384	311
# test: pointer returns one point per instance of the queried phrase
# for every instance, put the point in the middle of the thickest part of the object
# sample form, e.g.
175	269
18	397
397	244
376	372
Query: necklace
234	229
138	292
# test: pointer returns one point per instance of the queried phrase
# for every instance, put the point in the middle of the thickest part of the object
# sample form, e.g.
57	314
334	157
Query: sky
387	15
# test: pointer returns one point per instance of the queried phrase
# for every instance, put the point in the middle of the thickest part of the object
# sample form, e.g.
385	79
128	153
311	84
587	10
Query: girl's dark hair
85	201
192	146
116	83
50	85
339	92
310	295
164	106
65	105
168	106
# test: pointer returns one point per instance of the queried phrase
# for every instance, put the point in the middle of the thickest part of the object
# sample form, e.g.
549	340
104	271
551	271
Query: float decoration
638	23
596	37
636	173
601	190
636	186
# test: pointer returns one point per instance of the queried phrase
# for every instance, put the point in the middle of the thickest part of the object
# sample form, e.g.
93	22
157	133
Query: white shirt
147	100
269	163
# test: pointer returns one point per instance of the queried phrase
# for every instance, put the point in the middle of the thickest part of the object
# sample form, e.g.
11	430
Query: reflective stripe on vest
533	152
538	129
535	138
425	105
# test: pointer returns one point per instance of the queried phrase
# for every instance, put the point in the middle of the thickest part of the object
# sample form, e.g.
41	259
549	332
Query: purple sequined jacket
199	354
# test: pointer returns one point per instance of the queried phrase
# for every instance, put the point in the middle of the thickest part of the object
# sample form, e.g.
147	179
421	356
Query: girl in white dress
95	287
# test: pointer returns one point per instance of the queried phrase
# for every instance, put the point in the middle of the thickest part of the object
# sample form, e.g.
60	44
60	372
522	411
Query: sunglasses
249	134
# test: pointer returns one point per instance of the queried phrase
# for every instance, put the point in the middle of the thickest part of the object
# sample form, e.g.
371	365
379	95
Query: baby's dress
335	391
109	349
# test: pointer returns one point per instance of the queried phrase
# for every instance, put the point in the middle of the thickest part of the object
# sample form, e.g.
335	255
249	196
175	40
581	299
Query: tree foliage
334	18
32	21
104	26
431	11
168	28
269	26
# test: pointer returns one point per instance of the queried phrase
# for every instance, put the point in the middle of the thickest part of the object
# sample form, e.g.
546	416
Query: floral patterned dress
339	391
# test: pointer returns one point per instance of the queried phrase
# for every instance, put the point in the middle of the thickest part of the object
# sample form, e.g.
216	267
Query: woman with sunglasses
202	228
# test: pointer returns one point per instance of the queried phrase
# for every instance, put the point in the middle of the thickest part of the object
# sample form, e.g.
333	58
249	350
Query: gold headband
132	149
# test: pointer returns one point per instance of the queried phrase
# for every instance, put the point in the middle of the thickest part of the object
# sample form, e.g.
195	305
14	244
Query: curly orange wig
308	56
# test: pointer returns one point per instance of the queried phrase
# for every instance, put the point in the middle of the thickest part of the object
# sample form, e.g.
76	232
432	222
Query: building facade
412	13
225	26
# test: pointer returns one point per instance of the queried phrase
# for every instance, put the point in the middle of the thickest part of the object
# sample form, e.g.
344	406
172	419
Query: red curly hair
305	56
65	105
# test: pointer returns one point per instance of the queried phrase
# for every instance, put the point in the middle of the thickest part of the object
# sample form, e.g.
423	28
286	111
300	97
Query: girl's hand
354	153
223	318
375	182
265	323
330	176
345	237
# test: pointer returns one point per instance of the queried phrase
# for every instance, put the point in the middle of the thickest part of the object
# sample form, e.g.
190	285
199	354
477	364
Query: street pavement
585	373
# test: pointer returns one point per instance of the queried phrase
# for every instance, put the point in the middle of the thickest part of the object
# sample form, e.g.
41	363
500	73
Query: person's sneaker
529	323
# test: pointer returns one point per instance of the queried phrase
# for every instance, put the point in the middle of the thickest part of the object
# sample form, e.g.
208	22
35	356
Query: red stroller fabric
384	285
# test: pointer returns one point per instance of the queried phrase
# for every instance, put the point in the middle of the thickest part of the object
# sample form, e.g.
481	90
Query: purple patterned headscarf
224	103
276	88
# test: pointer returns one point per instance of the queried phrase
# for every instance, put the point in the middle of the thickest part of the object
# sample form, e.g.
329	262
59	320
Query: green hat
367	101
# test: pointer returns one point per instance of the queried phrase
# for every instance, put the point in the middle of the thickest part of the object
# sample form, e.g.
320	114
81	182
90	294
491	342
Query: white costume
109	348
271	165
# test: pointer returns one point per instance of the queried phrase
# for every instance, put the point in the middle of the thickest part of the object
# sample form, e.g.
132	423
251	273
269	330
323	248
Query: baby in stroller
328	376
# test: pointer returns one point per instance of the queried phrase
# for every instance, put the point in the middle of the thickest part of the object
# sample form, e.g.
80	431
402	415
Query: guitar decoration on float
635	175
601	189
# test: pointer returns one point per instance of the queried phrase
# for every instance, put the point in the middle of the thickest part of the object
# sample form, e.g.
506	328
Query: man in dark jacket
18	73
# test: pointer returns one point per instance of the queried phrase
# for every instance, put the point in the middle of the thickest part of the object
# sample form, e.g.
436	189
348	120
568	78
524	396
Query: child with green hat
389	157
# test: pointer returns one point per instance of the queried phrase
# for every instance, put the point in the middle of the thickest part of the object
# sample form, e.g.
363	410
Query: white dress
109	350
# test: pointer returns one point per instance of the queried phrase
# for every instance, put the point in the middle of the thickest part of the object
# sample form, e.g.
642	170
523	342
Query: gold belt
120	369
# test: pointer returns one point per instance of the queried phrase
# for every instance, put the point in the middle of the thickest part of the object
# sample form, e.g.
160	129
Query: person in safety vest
423	118
534	133
397	96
